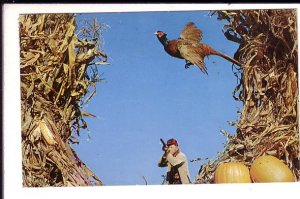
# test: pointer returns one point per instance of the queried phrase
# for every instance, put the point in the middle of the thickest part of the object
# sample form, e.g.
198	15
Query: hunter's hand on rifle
166	149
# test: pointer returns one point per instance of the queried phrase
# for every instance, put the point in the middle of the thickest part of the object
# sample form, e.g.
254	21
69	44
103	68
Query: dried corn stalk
268	88
54	64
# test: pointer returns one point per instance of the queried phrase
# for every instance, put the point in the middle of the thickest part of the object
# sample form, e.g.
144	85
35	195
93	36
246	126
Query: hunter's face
173	149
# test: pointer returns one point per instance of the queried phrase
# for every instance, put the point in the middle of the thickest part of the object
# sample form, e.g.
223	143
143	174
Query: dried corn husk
55	83
267	86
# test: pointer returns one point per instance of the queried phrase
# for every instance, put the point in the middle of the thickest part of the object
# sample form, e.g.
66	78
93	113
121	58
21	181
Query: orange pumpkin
232	172
270	169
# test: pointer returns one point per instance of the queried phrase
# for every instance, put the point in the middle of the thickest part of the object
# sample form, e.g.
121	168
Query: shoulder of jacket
181	154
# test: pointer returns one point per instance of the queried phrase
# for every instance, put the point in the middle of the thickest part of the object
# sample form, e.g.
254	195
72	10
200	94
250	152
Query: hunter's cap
171	142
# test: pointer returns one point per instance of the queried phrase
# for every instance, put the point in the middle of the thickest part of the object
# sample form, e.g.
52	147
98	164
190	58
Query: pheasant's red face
160	34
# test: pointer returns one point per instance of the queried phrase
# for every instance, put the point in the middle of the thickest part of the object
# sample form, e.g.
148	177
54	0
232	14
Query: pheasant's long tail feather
228	58
211	51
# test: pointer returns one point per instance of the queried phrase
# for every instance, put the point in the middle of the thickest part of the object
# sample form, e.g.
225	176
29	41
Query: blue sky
149	95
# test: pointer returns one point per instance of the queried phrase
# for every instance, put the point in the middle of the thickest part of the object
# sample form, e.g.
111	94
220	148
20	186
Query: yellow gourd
268	168
232	172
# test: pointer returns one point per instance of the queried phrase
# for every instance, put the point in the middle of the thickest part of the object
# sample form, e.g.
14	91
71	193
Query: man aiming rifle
176	163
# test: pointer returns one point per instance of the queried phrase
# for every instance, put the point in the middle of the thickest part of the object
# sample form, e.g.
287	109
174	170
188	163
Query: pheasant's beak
156	33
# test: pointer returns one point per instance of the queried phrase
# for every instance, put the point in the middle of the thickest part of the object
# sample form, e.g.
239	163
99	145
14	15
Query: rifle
163	143
163	161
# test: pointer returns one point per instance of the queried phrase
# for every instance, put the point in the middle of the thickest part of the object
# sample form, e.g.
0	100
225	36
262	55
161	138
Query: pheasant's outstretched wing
191	33
193	54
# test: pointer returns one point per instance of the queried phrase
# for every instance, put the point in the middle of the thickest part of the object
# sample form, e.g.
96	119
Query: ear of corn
47	134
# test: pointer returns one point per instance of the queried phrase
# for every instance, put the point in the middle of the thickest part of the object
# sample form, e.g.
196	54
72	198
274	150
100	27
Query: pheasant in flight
189	47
